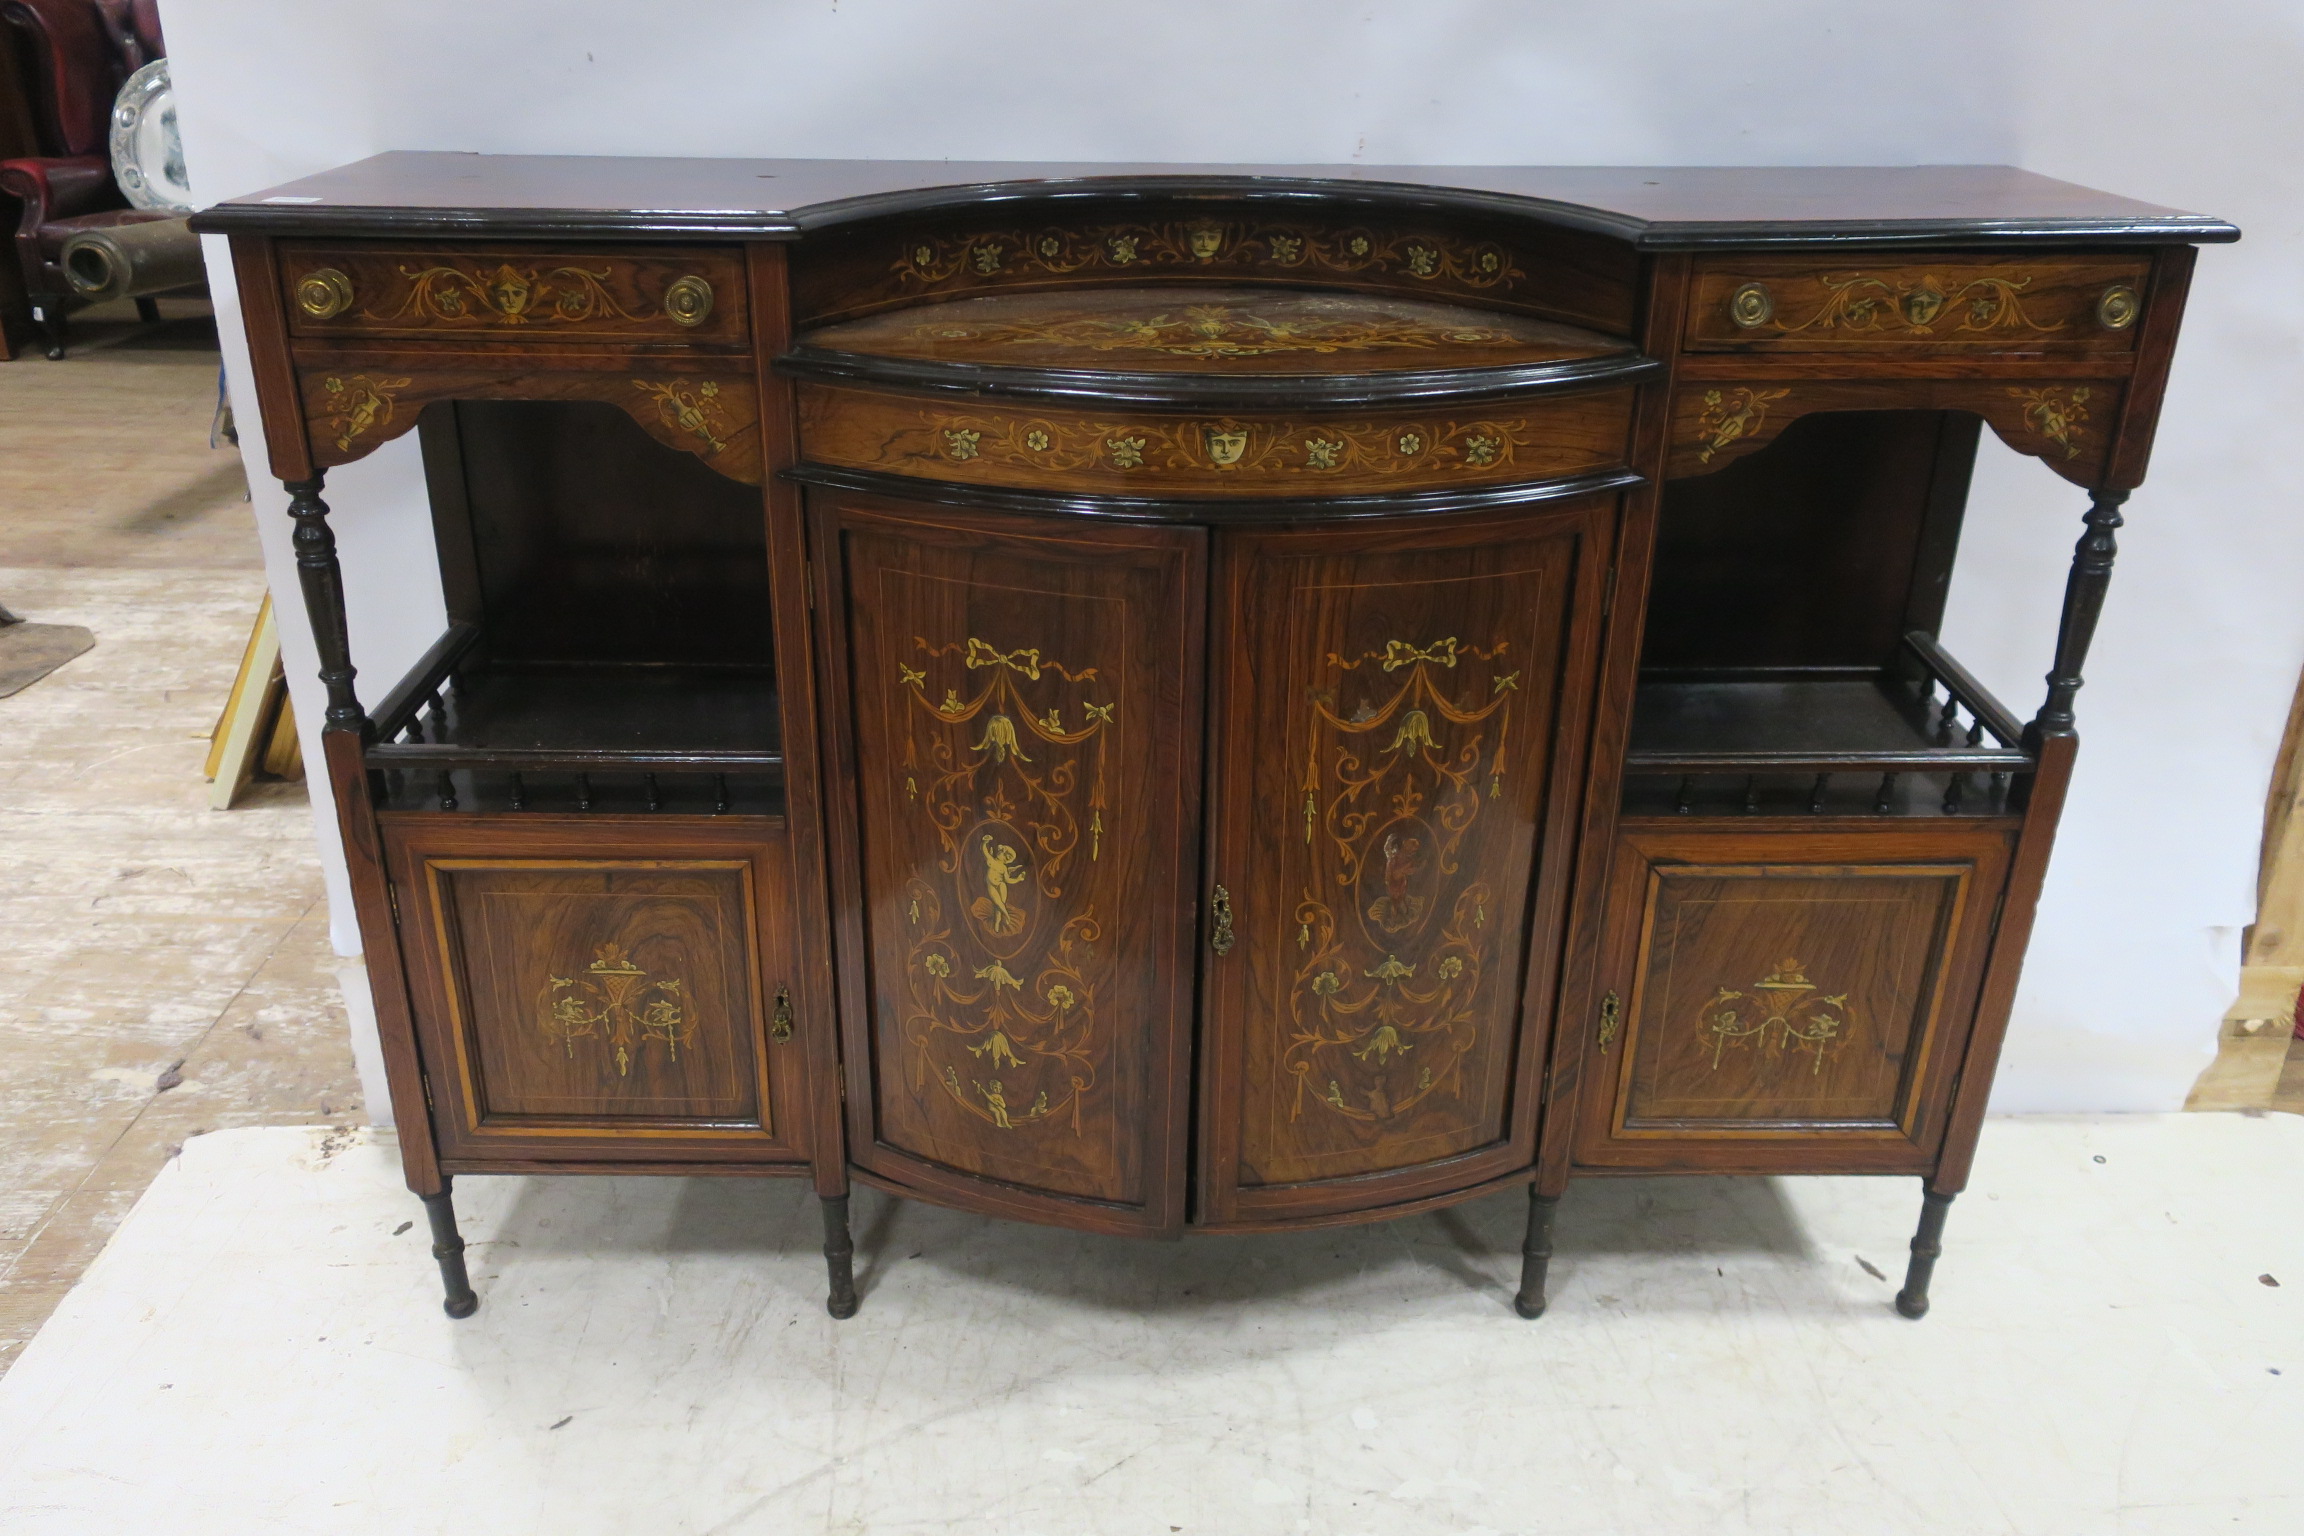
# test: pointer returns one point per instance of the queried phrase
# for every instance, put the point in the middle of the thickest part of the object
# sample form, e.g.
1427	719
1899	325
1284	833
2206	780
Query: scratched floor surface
261	1350
138	928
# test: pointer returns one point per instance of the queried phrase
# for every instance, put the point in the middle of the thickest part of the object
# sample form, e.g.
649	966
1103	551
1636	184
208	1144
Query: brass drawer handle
1751	306
780	1027
2119	307
1611	1019
324	294
688	301
1221	940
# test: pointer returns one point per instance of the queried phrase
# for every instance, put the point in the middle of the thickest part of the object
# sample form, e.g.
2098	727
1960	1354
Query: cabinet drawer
1786	1000
516	294
1955	303
591	992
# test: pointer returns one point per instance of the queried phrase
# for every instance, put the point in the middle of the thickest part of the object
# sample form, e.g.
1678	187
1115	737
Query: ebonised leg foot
1535	1254
148	311
1927	1246
839	1258
448	1248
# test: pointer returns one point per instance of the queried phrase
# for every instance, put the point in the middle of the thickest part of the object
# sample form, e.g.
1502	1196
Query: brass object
324	294
688	301
358	405
780	1027
1783	1011
1751	307
1732	414
2057	412
1611	1019
2119	307
615	1002
1221	904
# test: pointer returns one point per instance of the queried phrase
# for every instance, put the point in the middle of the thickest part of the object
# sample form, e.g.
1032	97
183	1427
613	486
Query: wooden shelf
1933	717
576	717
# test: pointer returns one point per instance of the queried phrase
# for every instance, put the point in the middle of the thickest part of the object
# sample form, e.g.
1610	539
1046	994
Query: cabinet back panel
592	542
1819	550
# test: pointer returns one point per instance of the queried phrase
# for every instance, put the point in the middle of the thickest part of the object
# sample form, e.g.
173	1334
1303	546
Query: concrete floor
2117	1346
141	929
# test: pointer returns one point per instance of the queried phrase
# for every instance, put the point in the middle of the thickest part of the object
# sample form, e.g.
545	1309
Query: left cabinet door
1017	762
589	991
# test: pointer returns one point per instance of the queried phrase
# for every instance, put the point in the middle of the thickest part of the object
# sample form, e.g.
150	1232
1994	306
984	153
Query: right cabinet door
1786	999
1399	721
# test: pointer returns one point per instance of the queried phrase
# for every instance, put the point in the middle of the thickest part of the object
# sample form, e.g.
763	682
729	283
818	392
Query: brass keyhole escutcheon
324	294
1221	939
2119	307
780	1027
688	301
1751	306
1611	1019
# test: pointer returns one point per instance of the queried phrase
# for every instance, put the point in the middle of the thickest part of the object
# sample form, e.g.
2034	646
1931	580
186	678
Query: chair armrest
58	188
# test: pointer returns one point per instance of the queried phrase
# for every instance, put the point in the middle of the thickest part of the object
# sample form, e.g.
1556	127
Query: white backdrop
2137	948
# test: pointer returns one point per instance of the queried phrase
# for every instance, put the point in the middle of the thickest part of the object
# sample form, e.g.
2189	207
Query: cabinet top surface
1221	330
1660	208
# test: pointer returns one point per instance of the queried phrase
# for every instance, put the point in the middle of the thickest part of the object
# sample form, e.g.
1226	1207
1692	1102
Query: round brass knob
688	301
1751	307
2119	307
324	294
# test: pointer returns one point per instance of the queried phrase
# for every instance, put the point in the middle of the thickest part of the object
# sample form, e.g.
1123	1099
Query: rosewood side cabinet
1148	698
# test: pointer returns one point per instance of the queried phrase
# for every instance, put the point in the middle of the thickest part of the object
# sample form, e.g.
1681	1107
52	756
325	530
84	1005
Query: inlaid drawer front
1292	454
1961	303
692	297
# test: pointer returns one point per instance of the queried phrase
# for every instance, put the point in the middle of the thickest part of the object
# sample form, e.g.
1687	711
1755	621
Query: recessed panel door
1786	998
1401	716
603	992
1022	703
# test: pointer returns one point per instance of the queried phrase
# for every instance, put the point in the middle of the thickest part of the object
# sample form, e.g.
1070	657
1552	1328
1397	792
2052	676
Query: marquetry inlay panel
1023	733
513	293
1948	303
1209	454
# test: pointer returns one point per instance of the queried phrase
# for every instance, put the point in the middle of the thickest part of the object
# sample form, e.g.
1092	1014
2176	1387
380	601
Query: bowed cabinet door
1018	709
1786	1000
1398	730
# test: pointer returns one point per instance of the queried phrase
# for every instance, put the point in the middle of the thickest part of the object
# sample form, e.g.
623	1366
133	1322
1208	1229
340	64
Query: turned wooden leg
839	1258
448	1248
1927	1247
1535	1254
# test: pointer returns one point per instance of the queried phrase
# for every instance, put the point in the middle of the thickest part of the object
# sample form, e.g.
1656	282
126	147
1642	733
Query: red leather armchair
77	53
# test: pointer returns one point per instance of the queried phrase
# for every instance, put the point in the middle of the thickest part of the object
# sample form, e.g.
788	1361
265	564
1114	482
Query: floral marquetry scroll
2064	424
1951	304
1382	836
1010	771
514	294
717	419
1023	726
1156	454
